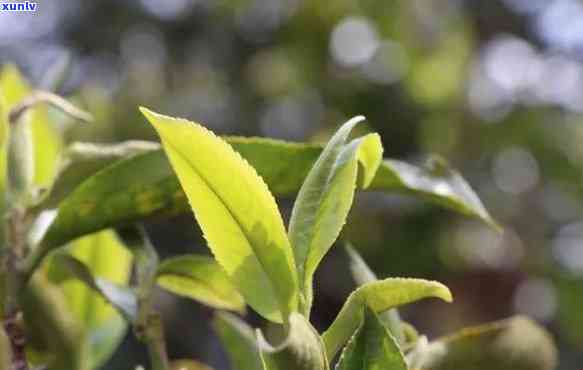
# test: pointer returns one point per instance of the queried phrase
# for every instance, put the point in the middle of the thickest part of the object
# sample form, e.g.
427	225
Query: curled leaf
362	274
379	296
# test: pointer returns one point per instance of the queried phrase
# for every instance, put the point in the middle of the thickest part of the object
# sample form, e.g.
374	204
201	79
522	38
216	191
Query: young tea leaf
371	348
237	213
239	341
301	350
379	296
325	198
200	278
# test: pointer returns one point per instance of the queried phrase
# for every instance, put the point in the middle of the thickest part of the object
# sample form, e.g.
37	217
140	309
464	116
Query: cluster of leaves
81	246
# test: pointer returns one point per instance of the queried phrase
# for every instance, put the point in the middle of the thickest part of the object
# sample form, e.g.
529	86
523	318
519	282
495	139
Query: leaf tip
149	114
443	292
356	119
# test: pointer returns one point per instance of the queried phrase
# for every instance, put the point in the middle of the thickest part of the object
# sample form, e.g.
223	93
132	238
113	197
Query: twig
152	334
45	97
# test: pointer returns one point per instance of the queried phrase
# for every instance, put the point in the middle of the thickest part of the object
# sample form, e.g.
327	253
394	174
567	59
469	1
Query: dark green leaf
121	194
145	185
362	275
371	348
82	160
436	182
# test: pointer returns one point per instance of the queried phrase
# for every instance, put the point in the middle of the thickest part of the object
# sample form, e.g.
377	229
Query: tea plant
73	238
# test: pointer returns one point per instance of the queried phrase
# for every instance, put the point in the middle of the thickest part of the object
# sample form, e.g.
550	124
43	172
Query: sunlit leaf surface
237	213
200	278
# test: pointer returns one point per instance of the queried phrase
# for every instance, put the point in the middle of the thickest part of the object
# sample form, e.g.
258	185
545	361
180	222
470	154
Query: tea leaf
237	213
82	160
372	347
362	275
379	296
121	194
106	258
120	297
238	340
301	350
517	343
325	198
199	278
443	186
145	185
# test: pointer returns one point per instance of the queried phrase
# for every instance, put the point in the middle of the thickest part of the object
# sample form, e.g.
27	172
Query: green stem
153	336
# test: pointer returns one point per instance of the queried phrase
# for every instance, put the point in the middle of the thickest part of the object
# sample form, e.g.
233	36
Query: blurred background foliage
495	87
